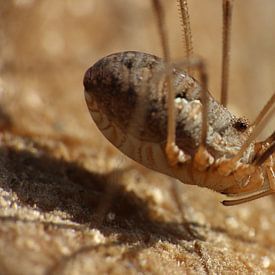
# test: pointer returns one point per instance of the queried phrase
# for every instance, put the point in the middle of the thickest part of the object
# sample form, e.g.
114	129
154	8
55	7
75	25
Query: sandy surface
70	203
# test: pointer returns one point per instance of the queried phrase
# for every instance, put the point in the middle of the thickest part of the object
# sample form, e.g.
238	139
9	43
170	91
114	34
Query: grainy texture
69	203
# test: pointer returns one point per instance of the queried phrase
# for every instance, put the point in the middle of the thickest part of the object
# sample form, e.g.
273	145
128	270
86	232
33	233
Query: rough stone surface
69	202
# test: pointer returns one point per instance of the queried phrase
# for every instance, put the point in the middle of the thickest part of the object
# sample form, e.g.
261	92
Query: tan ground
69	202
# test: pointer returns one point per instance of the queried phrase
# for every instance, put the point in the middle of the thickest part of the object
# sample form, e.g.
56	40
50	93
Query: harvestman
162	117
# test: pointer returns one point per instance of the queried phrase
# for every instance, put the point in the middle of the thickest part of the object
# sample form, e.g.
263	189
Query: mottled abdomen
126	95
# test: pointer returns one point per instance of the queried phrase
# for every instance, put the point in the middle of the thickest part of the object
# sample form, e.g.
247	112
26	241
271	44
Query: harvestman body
163	118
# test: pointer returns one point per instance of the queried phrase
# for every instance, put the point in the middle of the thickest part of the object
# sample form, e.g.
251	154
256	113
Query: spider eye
240	125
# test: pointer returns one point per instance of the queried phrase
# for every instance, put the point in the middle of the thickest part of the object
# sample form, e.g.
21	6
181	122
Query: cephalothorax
160	116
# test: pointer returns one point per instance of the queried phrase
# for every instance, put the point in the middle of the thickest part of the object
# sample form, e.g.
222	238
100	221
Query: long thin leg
171	133
199	65
271	138
187	34
227	19
264	151
266	154
158	8
205	99
203	158
247	199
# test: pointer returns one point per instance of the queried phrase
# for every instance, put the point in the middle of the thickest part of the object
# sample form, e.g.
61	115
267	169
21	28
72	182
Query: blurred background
46	46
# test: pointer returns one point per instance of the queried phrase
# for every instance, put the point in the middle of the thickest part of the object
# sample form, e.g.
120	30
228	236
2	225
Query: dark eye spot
240	124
